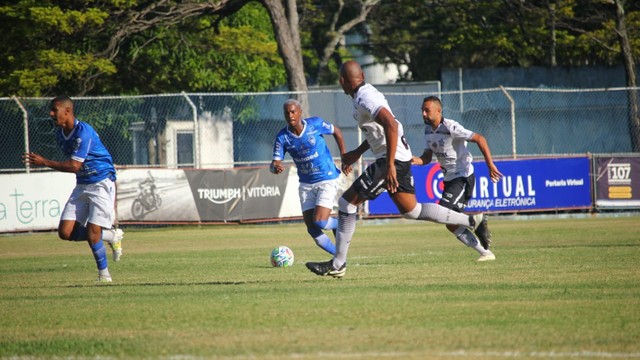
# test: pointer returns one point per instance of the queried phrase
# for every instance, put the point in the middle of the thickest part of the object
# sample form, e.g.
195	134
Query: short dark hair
432	98
62	99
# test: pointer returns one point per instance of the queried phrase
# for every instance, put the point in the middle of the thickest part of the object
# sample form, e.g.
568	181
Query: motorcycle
148	199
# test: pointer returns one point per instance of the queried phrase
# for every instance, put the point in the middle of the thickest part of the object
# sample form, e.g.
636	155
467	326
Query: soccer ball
281	256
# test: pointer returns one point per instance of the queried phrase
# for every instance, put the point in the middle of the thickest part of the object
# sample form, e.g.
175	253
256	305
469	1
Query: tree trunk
285	27
630	68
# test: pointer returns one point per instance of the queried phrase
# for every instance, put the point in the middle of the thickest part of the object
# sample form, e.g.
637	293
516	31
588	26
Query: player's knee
64	234
413	214
346	207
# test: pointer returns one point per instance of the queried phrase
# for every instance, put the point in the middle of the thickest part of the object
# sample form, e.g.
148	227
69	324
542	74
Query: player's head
61	110
292	112
431	110
351	76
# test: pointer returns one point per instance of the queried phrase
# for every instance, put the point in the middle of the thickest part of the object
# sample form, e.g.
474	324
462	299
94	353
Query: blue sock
321	239
100	254
330	224
325	243
79	233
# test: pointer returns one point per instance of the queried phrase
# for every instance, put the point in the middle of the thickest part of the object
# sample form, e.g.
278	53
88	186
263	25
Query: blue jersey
84	145
309	150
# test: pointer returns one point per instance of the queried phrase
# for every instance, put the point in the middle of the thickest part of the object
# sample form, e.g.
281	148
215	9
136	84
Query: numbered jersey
368	101
448	142
308	150
83	144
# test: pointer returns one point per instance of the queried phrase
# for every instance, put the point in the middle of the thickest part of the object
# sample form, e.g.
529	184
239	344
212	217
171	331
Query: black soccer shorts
373	181
458	192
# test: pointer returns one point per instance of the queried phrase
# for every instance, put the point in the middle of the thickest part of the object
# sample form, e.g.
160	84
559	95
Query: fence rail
208	130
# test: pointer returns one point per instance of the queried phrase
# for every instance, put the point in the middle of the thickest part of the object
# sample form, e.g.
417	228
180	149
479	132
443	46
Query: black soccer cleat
326	269
482	232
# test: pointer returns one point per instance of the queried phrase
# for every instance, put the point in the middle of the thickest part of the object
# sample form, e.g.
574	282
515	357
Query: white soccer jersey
448	142
366	105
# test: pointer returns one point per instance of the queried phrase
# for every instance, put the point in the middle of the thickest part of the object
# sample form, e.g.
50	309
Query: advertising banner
174	195
33	201
231	195
617	182
534	184
155	195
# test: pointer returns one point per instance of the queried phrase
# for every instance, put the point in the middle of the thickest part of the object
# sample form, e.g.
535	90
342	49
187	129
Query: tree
95	48
236	54
326	23
430	35
55	47
630	67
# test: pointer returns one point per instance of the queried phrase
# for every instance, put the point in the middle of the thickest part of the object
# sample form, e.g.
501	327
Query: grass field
560	288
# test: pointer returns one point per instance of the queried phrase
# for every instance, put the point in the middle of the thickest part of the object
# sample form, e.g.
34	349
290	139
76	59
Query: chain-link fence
231	130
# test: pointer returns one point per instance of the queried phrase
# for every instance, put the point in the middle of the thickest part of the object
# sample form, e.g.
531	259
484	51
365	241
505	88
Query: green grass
565	288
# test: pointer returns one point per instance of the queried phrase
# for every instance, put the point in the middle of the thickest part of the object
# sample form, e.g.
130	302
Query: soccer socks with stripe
329	224
100	254
79	233
466	237
322	240
345	231
437	213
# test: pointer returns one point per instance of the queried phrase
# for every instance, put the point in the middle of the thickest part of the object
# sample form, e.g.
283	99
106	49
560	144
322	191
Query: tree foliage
110	47
427	36
89	47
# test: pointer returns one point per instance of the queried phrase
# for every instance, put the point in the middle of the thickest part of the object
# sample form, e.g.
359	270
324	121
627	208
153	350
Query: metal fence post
196	130
25	124
513	121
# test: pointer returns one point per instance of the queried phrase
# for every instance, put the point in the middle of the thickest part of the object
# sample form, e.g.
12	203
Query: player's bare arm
70	166
390	126
480	140
423	159
337	135
352	156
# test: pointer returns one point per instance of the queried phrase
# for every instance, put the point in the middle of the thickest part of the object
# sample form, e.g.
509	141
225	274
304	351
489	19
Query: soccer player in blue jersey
318	174
88	214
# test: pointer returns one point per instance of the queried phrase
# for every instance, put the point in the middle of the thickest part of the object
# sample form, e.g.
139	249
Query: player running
318	174
391	171
447	140
88	214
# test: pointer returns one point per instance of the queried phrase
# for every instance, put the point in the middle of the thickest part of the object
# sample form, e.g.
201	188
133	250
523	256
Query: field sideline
560	288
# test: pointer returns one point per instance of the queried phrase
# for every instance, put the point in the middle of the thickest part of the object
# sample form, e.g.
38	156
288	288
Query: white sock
104	272
438	213
468	238
344	232
108	235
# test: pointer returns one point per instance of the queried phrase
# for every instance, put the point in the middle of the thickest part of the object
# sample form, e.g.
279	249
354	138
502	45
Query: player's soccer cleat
487	257
104	279
326	269
483	233
116	245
